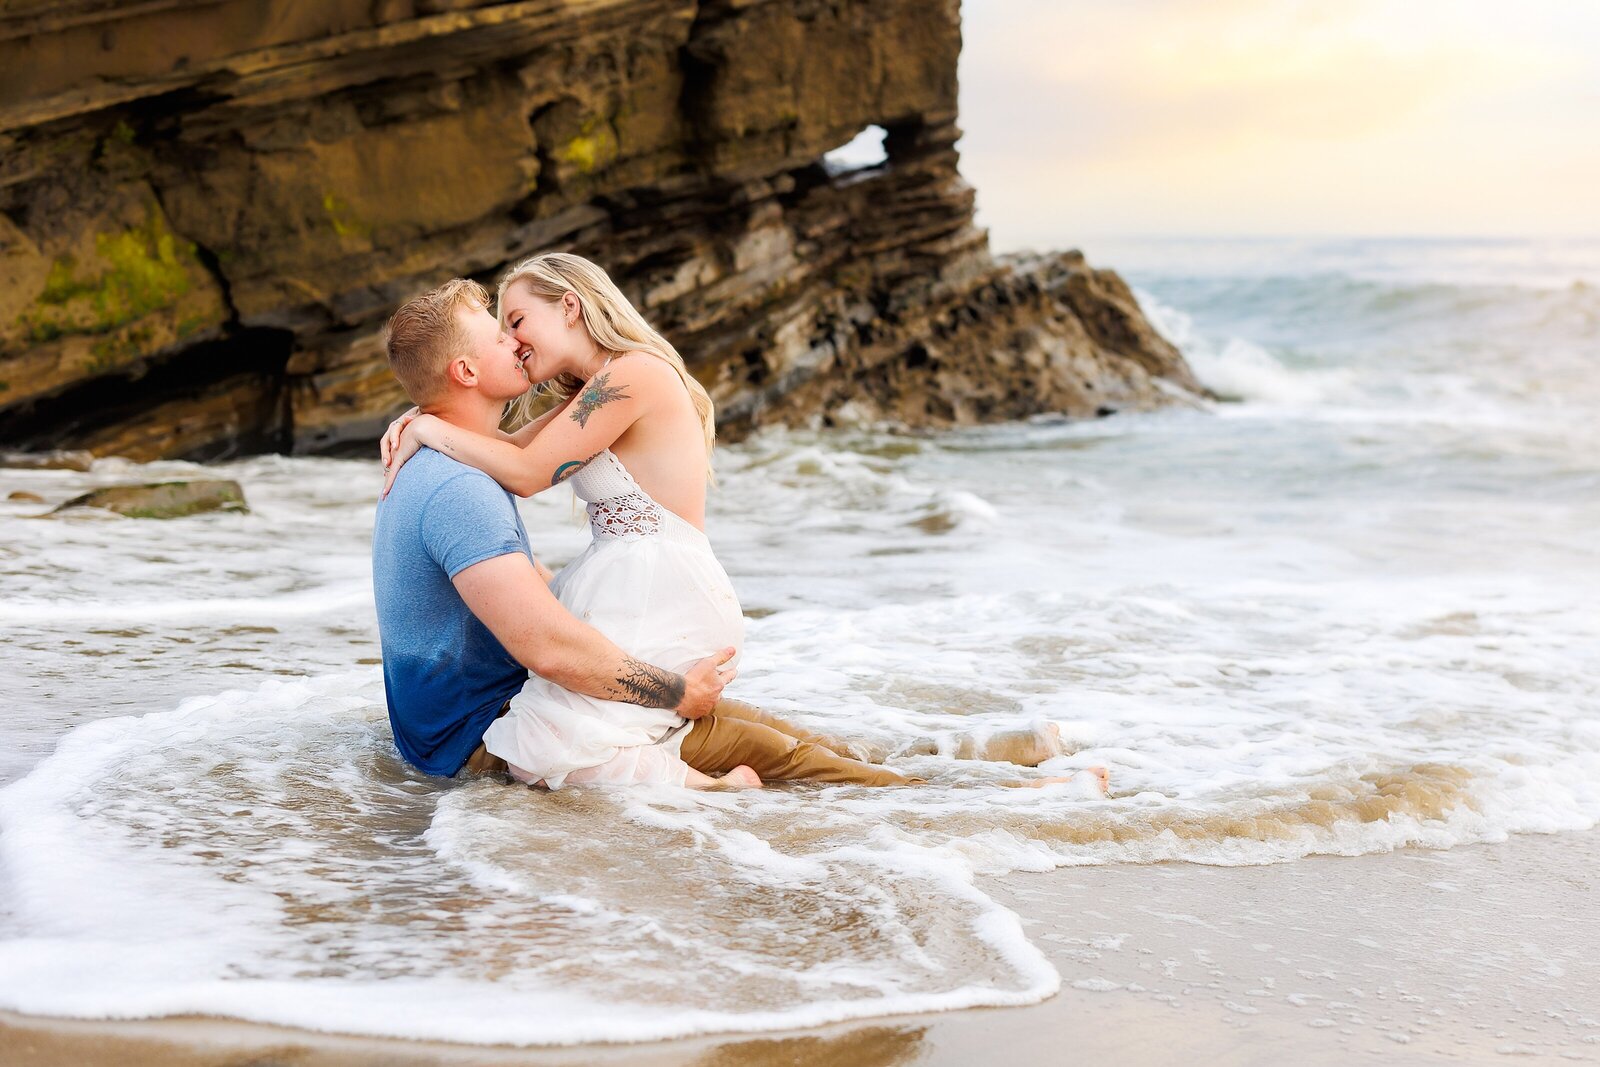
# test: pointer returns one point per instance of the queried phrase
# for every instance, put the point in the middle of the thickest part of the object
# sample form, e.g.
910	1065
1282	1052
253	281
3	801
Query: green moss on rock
163	500
343	219
139	271
594	147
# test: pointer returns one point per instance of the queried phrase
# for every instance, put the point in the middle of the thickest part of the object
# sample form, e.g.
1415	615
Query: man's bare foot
1038	783
1098	775
741	777
1101	777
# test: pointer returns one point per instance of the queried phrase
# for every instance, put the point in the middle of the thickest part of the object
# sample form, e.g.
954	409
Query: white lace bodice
617	506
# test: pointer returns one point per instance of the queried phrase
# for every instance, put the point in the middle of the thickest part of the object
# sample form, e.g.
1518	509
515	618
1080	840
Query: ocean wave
264	855
1513	356
135	610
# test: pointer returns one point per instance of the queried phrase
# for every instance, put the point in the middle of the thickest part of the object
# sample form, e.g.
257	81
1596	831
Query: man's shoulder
451	513
428	473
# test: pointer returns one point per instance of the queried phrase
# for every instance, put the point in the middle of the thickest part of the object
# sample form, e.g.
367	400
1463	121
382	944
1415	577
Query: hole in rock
863	151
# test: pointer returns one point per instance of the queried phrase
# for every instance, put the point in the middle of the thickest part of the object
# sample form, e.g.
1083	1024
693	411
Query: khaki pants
482	761
737	733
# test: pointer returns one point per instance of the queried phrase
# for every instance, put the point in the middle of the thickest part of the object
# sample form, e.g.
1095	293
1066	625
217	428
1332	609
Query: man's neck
469	411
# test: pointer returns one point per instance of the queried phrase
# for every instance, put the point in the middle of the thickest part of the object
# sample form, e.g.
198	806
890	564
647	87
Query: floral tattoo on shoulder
596	393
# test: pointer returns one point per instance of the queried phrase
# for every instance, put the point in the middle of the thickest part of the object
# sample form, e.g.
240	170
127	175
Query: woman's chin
536	374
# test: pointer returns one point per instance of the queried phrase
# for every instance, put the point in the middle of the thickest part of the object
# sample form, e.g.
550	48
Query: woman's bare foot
741	777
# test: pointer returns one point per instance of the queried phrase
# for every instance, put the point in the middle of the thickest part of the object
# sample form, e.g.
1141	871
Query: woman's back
665	448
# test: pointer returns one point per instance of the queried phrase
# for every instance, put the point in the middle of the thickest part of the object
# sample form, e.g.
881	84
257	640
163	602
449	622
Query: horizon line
1288	236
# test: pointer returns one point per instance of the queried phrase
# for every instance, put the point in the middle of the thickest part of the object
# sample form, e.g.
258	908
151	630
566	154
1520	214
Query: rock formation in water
208	210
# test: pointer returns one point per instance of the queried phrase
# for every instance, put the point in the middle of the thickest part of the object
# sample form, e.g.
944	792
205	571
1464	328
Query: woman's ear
571	308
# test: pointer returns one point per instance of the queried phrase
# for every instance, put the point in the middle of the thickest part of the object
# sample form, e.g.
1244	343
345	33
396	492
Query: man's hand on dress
703	684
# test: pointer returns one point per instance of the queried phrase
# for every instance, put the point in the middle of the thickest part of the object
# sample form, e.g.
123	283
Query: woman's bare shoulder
647	374
643	365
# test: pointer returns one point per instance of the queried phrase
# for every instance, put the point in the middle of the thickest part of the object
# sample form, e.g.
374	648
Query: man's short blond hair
424	335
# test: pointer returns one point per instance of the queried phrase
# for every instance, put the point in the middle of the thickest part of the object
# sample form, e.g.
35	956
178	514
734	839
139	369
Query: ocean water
1347	609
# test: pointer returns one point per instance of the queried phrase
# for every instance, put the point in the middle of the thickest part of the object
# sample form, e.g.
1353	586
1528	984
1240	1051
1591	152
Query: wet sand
1474	955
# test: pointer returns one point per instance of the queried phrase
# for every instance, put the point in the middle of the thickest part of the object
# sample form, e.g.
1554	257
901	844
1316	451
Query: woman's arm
609	403
390	442
525	434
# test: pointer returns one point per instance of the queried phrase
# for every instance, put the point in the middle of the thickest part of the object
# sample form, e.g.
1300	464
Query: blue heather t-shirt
445	674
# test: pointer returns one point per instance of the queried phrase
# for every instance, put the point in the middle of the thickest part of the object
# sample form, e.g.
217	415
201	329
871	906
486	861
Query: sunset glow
1267	116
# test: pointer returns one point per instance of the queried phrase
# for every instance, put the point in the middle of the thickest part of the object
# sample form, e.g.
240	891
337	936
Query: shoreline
1464	955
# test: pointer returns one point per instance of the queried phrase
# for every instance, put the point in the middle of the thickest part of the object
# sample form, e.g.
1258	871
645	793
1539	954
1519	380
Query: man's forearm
585	662
647	685
510	597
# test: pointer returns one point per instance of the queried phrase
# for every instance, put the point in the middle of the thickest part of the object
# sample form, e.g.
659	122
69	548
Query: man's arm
508	596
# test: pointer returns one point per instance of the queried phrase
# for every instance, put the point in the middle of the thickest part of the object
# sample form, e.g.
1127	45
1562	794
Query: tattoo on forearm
597	393
569	468
651	687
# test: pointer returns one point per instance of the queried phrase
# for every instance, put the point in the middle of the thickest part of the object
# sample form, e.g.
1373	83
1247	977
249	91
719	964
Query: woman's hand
416	433
391	437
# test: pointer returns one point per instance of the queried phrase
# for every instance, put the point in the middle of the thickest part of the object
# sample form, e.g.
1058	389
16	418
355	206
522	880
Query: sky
1269	117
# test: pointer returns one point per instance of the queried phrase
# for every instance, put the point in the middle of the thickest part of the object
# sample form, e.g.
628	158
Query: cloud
1326	110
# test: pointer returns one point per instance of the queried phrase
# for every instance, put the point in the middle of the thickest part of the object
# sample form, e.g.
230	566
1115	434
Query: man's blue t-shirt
445	674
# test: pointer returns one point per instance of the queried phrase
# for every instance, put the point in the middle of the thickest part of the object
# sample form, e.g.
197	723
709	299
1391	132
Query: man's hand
703	685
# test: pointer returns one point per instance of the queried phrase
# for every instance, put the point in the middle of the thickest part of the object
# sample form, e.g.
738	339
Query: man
464	612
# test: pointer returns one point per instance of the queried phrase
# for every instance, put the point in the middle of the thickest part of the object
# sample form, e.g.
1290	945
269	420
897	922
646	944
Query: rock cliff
208	209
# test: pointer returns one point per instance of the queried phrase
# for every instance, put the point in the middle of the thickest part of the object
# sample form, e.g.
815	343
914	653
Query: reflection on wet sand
880	1046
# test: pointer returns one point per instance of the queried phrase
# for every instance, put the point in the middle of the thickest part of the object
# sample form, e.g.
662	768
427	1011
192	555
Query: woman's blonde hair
612	321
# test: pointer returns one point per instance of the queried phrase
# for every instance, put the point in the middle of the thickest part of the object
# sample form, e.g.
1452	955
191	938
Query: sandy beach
1470	955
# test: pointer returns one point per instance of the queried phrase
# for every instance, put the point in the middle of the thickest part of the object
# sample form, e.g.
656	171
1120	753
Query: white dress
650	583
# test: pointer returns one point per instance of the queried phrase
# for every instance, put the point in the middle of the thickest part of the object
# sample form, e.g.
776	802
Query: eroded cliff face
208	210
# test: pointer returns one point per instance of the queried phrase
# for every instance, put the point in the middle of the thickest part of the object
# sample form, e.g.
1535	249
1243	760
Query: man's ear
461	372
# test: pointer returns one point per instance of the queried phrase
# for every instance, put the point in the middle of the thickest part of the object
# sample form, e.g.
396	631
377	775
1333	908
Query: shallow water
1347	611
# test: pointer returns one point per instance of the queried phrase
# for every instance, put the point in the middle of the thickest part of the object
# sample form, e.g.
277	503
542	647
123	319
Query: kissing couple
611	673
